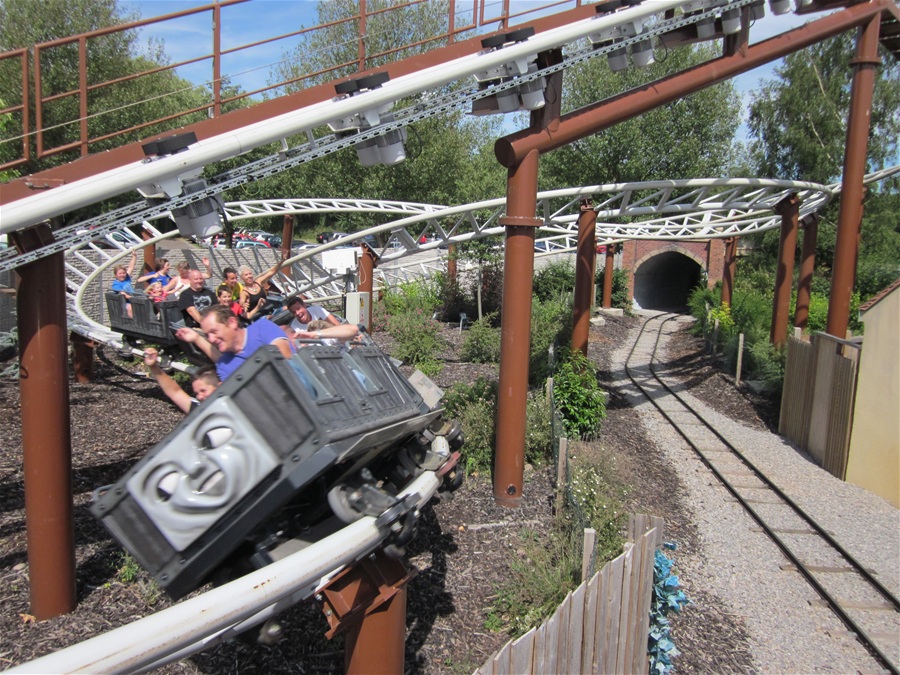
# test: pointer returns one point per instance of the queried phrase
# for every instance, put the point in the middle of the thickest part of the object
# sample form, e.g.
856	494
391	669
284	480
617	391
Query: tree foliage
449	158
128	103
798	121
689	138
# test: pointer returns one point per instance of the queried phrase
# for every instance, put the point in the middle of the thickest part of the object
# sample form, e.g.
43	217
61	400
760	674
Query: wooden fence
817	399
602	626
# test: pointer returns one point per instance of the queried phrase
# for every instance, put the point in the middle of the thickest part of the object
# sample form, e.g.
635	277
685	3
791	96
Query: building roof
878	297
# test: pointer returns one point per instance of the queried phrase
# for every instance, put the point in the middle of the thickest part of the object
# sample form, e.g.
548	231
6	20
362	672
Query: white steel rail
676	209
199	622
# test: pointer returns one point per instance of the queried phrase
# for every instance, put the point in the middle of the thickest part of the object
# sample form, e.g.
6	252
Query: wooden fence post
740	360
587	553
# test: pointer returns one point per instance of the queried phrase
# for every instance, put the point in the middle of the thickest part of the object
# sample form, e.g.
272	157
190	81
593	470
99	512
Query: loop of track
715	451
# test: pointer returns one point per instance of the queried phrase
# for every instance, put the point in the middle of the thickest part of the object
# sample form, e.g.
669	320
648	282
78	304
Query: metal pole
452	274
287	237
515	331
367	264
46	440
585	260
375	645
810	226
149	253
83	358
608	275
789	209
728	271
846	245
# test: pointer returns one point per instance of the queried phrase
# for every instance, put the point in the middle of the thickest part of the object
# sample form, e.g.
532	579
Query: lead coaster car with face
258	458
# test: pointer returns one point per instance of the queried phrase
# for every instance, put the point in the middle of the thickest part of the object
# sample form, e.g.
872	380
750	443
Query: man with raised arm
227	344
195	299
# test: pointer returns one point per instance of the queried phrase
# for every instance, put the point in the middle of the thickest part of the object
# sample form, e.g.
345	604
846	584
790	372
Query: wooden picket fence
602	626
818	397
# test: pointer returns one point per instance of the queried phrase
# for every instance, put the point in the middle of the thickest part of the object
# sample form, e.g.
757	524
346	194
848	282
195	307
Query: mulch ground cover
461	550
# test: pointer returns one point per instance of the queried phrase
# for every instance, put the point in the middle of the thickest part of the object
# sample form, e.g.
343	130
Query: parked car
541	246
325	237
300	245
250	243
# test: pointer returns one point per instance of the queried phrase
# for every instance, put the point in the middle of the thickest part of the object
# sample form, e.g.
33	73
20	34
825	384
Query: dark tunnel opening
665	280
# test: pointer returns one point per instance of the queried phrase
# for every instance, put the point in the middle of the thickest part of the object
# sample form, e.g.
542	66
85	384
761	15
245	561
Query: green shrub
474	406
818	312
418	339
551	323
538	429
578	396
547	567
482	342
554	280
420	294
598	504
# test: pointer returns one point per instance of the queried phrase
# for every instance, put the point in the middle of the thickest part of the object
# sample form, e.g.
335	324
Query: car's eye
217	437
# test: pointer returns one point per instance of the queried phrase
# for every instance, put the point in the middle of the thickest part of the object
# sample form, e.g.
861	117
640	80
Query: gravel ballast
787	629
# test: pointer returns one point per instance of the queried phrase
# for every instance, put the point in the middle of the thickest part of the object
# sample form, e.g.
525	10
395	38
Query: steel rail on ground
807	574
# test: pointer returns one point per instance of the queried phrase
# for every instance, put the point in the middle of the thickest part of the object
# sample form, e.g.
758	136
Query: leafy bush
538	429
551	323
578	395
482	342
474	406
554	281
546	569
766	365
421	294
418	339
596	501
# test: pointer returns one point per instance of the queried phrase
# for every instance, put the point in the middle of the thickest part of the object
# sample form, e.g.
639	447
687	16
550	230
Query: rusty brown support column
287	236
585	259
149	253
515	331
367	264
789	209
846	245
83	358
728	270
46	440
810	226
608	270
376	645
451	264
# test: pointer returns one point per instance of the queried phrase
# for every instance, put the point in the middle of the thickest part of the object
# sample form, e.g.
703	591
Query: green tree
798	129
689	138
798	121
24	23
449	158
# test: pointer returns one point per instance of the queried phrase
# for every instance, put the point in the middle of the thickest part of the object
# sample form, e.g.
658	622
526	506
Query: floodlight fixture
385	149
731	21
780	6
757	10
642	53
618	59
199	219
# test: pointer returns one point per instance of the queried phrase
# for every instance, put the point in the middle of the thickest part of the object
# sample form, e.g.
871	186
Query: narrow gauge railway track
874	621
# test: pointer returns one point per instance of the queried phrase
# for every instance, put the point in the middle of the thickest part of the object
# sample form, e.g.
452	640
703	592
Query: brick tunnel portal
664	281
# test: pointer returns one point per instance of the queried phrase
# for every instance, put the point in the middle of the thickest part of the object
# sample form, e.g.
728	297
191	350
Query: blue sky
190	37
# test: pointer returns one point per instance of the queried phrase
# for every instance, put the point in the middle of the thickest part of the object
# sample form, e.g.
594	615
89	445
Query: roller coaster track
658	210
798	536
